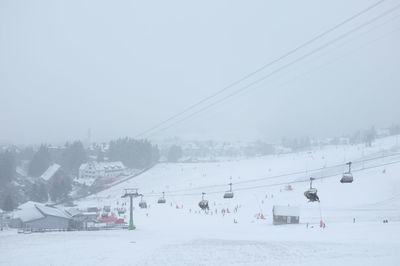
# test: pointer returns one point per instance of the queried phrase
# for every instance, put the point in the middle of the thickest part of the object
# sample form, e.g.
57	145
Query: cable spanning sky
119	68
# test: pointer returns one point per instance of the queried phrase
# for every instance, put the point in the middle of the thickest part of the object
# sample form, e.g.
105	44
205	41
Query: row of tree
133	153
7	175
72	156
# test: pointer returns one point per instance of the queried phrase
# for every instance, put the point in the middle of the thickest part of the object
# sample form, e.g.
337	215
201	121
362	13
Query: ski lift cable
307	172
306	180
257	81
283	175
247	76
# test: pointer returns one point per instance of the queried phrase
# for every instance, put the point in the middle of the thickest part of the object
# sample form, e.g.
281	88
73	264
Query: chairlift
203	204
121	211
162	199
229	194
142	203
311	194
347	176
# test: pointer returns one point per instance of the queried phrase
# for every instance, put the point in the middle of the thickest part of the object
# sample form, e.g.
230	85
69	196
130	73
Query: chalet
103	169
38	216
285	215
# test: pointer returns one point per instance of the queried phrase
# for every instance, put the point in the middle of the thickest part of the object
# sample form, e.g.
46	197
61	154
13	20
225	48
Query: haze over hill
119	68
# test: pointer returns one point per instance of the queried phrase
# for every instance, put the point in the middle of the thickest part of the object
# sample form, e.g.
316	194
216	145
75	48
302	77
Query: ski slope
167	235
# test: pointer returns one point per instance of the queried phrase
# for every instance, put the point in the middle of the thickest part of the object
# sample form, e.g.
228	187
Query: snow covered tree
174	153
40	162
8	203
73	156
370	136
38	192
7	167
60	188
133	153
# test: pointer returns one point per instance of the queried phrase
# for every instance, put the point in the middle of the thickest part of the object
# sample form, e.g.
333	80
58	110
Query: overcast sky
119	67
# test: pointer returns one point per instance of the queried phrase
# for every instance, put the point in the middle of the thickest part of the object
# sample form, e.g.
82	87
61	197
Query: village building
36	216
94	170
285	215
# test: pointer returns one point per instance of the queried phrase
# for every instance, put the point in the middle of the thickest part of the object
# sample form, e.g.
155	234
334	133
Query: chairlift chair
311	194
162	199
203	204
142	203
347	176
229	194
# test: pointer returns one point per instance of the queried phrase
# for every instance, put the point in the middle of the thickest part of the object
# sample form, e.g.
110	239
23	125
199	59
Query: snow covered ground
167	235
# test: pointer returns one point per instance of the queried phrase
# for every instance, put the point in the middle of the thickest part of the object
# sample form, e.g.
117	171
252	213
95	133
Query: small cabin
285	215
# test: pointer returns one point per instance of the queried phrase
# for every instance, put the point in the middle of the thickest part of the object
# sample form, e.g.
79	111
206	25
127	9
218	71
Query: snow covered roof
100	166
31	210
286	210
73	212
50	172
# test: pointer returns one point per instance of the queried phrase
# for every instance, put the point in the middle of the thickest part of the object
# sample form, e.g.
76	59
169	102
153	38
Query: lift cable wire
257	81
306	180
279	176
280	58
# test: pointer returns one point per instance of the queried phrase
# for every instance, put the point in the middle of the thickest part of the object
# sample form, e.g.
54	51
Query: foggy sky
119	67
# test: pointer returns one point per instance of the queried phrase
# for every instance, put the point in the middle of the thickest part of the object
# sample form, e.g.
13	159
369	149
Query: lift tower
131	193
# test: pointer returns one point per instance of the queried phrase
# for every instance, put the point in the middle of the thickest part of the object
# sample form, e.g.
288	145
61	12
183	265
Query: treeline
7	175
16	188
70	157
133	153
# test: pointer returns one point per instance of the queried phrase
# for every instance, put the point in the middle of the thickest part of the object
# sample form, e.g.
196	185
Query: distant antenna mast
89	137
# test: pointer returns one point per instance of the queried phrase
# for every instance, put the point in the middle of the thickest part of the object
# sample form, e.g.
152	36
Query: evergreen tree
40	162
60	188
264	148
73	156
174	153
370	136
133	153
8	203
38	192
43	193
7	168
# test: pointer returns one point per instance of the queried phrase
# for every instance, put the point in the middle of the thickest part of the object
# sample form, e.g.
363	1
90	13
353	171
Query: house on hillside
285	215
96	170
39	217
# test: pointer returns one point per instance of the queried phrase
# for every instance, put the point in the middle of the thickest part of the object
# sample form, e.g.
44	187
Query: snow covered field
167	235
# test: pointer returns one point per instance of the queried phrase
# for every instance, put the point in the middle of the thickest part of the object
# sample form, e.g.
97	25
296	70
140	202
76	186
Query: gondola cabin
285	215
347	178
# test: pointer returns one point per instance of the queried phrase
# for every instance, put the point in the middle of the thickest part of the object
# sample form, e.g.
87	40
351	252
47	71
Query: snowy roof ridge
50	172
103	165
281	210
